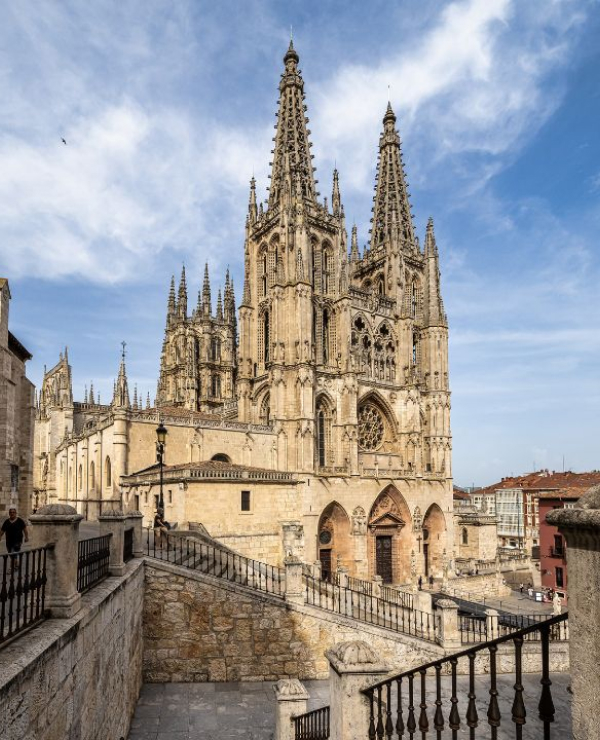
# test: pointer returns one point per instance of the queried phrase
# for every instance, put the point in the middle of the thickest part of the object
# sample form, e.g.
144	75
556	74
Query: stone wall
79	677
197	628
479	586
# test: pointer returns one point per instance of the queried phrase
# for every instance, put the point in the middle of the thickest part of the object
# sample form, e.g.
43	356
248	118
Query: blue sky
168	110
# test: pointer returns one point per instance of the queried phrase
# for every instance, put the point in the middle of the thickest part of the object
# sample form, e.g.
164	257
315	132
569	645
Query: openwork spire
391	192
434	304
182	295
292	160
171	301
206	298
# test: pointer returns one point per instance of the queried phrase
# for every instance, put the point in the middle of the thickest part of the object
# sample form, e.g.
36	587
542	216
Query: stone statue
359	521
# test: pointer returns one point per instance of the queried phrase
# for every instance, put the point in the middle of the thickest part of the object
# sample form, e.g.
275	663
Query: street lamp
161	441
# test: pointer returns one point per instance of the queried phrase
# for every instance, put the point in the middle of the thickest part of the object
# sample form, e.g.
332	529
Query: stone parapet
113	522
581	528
57	525
292	701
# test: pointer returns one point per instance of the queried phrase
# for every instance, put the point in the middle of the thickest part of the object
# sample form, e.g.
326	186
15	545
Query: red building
553	546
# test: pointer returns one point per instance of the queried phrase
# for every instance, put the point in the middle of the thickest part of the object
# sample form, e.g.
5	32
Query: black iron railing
360	586
474	629
216	561
402	598
370	609
128	545
22	592
92	561
393	710
312	725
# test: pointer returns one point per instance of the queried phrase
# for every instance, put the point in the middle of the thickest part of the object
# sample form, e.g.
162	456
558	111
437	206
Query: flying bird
63	141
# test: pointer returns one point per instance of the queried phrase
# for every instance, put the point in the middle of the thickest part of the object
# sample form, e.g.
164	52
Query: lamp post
161	441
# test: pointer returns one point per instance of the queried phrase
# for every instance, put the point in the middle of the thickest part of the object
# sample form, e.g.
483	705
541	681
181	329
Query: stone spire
229	299
434	305
336	202
135	397
148	400
299	264
91	394
354	253
121	394
206	299
171	307
292	145
246	297
182	296
219	306
391	190
252	207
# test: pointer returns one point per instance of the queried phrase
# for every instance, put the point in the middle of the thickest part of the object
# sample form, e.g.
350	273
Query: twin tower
344	355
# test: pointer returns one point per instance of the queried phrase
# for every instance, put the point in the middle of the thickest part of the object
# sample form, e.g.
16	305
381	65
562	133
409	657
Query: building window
323	433
558	545
465	536
107	473
415	344
245	501
559	578
221	457
216	386
265	410
413	301
170	496
325	336
92	476
80	477
326	272
264	338
146	497
216	349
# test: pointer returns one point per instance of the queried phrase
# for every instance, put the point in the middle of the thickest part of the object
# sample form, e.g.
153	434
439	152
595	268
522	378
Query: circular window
325	537
370	428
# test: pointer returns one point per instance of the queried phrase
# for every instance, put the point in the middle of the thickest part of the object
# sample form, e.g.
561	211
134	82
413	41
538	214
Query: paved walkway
212	711
229	711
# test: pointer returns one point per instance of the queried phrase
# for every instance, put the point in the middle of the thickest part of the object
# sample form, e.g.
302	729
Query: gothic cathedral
318	419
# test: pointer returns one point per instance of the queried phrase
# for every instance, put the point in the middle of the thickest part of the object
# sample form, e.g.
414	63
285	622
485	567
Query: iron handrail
22	591
313	725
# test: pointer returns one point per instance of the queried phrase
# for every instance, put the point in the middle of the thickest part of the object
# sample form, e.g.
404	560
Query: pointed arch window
266	337
216	386
324	417
327	270
265	410
326	337
107	472
465	536
262	274
415	350
92	476
413	300
215	349
80	477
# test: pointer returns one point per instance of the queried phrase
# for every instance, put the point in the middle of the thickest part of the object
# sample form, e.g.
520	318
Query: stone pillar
581	528
353	666
294	590
342	572
293	539
317	570
292	699
58	525
377	586
113	522
136	518
491	623
448	633
423	602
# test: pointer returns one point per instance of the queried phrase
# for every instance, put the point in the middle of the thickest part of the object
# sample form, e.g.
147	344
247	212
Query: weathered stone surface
79	677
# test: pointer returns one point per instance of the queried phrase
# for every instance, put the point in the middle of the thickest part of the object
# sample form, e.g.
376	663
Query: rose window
370	428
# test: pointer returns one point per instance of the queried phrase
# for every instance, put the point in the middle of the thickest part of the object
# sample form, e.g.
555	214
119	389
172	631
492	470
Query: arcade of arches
397	546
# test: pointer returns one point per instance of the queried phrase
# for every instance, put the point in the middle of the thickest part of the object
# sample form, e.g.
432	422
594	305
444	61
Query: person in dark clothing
420	583
15	530
161	528
431	581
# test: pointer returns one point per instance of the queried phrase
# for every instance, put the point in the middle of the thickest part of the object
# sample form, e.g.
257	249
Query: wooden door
383	557
325	558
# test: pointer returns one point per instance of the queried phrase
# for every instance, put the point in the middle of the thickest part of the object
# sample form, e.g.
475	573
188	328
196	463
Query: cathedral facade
317	419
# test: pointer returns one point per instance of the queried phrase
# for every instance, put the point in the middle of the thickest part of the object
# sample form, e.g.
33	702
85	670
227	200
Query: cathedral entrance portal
383	558
390	540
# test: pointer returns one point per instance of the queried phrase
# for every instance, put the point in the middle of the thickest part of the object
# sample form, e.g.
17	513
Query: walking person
161	529
15	530
521	587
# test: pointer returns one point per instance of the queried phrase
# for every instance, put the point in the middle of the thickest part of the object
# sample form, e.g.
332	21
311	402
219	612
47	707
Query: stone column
58	525
317	570
491	624
581	528
342	572
292	699
377	586
294	590
293	538
353	666
113	522
448	633
136	518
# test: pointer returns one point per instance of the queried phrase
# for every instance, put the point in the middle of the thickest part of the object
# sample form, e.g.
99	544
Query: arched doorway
333	539
434	541
390	537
